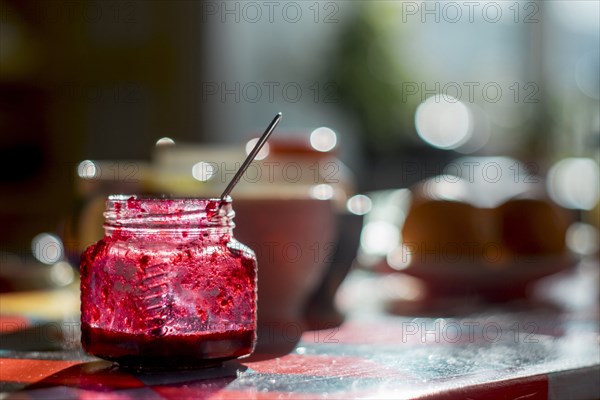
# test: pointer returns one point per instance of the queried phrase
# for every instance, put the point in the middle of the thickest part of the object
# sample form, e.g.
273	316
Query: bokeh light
359	204
165	141
87	169
203	171
574	183
379	237
443	122
446	187
62	273
262	154
582	239
323	139
322	191
399	258
47	248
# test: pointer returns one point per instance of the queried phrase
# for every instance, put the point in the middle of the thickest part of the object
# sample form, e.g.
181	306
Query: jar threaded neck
134	213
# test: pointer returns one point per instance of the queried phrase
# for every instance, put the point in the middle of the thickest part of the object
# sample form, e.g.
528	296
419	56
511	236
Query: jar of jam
168	286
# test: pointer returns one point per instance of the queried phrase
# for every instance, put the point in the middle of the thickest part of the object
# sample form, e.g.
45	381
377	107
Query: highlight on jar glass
168	286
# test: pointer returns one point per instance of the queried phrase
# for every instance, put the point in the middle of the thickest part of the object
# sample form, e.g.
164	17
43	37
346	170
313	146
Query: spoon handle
263	139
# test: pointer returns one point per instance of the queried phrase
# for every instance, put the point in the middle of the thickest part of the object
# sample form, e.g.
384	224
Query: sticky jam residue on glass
173	294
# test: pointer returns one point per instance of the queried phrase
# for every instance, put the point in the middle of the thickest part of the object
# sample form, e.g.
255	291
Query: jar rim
149	212
165	197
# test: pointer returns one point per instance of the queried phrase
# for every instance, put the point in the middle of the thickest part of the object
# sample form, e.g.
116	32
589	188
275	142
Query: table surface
520	350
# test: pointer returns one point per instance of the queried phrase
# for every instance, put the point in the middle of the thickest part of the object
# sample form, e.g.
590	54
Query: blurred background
133	96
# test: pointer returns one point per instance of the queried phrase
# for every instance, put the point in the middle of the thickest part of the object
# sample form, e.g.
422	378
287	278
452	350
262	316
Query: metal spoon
263	139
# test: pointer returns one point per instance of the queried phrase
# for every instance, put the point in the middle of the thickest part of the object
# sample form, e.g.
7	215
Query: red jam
168	286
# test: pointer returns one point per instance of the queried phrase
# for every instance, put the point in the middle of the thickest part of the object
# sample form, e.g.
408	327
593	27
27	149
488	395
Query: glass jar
168	286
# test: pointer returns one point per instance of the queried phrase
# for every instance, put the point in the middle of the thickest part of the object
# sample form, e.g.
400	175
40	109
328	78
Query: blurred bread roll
532	227
451	228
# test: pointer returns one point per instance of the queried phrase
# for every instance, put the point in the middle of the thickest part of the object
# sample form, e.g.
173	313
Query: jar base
168	352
